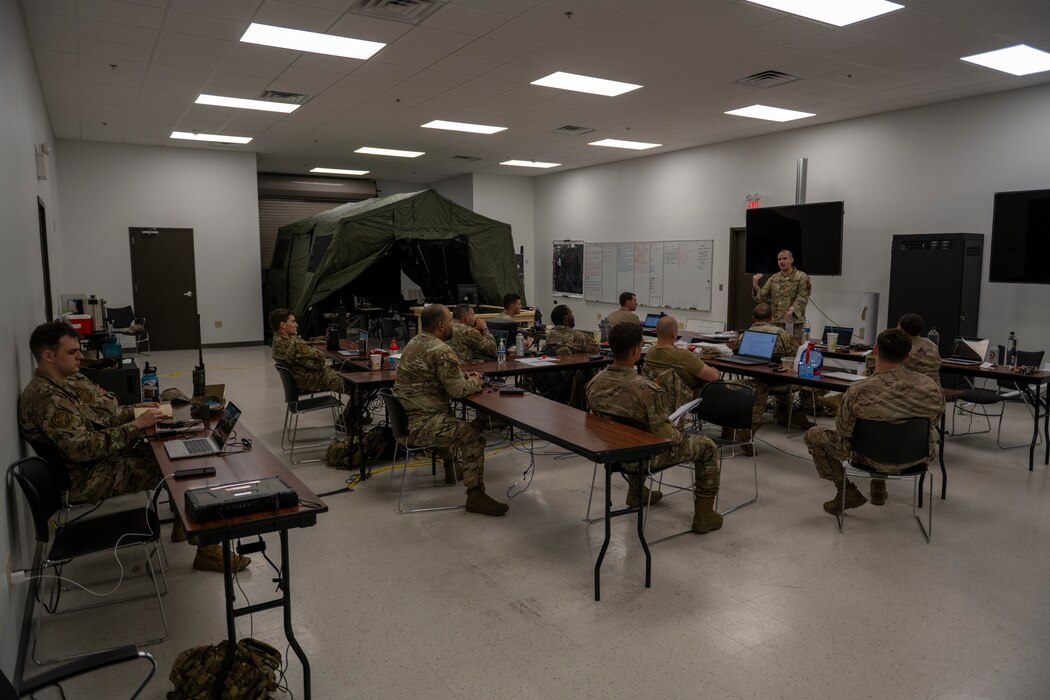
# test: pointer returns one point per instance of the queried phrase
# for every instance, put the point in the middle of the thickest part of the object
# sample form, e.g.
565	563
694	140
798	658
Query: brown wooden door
740	303
165	284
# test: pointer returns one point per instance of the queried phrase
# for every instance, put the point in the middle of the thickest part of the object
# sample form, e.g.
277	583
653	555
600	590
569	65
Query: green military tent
435	241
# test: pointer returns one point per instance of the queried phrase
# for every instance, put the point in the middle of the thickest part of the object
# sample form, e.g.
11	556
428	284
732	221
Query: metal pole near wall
800	180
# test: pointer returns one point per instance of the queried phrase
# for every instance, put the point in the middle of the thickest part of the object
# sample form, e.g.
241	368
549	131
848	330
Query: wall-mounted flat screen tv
812	232
1021	237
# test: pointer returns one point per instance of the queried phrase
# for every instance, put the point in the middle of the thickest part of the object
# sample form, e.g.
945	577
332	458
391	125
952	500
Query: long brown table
592	437
237	467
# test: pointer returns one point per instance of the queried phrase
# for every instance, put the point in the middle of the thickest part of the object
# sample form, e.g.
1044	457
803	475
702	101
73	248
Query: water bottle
1011	350
805	332
519	345
340	319
393	345
501	351
934	337
331	337
603	326
538	322
810	365
150	384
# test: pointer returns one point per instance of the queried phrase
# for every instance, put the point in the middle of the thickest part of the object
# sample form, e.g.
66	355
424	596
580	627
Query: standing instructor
787	292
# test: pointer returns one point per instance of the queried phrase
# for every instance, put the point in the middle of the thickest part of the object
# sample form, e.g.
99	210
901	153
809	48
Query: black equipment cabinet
938	276
124	383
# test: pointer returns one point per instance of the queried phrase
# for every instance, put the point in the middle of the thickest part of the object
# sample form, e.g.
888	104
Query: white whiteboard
669	274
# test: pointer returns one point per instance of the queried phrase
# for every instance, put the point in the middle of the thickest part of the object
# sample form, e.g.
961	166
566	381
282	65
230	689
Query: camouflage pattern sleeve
869	364
925	358
761	294
295	352
450	374
803	289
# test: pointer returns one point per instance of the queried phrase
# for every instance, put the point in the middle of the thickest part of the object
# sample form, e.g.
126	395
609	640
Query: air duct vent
570	130
768	78
278	96
412	11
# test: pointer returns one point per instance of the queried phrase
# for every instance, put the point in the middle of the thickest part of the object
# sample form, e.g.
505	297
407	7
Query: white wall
107	188
459	189
929	169
23	124
509	198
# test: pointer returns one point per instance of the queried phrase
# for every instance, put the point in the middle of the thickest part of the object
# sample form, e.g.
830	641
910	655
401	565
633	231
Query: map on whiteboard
568	268
671	274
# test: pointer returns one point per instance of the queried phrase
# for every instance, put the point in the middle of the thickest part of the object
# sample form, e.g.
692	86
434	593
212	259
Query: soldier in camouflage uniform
664	355
511	307
470	336
564	339
103	446
892	394
628	303
307	363
428	375
620	391
924	357
787	292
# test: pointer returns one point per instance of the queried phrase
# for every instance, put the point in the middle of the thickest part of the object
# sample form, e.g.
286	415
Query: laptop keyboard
196	447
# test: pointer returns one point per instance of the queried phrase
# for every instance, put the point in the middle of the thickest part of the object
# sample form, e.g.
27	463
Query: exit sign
754	201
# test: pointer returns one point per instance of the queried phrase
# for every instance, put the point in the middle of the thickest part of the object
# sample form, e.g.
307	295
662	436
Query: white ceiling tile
204	26
286	14
240	10
111	77
369	28
331	64
118	33
492	50
365	83
51	42
237	85
197	44
466	65
55	58
239	67
54	7
435	40
109	49
506	7
402	56
193	75
313	78
121	13
524	31
48	23
59	72
386	71
186	59
438	79
468	20
108	89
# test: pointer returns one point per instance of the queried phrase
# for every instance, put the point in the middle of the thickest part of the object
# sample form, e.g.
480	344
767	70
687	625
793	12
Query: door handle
187	294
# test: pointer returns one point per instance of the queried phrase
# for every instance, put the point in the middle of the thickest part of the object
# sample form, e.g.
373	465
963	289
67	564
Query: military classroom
633	197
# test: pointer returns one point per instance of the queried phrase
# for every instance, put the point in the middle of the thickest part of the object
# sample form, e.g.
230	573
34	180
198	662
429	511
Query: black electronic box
239	498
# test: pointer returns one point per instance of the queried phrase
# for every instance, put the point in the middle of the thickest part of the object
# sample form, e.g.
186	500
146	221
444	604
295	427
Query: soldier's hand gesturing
755	278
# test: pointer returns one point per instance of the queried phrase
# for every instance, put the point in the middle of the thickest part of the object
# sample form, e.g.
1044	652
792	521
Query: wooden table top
763	371
595	438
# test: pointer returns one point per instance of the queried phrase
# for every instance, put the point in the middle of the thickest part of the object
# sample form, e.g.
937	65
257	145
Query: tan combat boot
705	517
209	558
742	435
877	492
649	497
480	502
854	499
799	419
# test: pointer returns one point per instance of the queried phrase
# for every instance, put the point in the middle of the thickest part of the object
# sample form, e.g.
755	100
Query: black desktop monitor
467	294
508	330
812	232
1020	237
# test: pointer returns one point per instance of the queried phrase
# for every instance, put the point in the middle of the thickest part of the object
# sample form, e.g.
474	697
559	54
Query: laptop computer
204	446
845	334
968	351
649	324
756	348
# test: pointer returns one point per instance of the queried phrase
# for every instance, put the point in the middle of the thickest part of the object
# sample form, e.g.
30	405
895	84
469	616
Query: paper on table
165	408
538	361
683	409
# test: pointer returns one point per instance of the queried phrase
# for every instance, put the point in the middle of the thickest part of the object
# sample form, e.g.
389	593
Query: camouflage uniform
504	316
104	452
891	395
786	293
562	340
787	345
621	315
923	358
468	341
427	376
620	391
307	363
96	399
685	362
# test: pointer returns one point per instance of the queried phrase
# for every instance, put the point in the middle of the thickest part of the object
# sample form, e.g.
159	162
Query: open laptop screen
650	322
973	349
224	427
758	344
845	334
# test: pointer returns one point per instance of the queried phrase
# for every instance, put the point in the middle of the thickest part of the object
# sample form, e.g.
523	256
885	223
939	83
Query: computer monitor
650	321
845	334
508	330
467	294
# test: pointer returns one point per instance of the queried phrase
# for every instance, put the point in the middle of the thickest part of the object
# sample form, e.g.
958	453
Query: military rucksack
377	444
252	676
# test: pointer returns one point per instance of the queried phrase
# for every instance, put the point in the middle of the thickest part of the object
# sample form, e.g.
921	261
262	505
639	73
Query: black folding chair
728	405
296	405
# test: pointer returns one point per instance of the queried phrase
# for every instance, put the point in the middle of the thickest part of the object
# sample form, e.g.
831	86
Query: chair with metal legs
296	405
907	442
27	687
398	420
983	397
729	405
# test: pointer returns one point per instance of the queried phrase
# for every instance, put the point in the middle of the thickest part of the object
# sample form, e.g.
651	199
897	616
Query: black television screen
812	232
1021	237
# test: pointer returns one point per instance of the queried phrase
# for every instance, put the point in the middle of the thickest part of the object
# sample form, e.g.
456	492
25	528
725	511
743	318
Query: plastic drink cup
788	362
375	360
833	341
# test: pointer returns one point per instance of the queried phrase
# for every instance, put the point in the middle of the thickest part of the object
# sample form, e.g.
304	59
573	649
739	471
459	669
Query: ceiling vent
768	78
470	158
278	96
412	11
570	130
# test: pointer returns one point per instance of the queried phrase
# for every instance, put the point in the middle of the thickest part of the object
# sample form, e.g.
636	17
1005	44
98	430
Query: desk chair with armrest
103	534
906	442
122	318
983	397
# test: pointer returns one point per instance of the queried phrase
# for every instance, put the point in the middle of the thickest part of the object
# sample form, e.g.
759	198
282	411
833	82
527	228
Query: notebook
204	446
756	348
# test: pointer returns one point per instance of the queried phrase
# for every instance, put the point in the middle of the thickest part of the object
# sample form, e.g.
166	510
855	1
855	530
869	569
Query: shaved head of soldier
785	261
437	321
762	312
667	328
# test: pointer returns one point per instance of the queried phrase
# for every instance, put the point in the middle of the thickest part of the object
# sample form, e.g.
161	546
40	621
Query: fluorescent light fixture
214	138
338	171
389	152
312	42
583	83
530	164
773	114
618	143
836	12
463	126
239	103
1015	60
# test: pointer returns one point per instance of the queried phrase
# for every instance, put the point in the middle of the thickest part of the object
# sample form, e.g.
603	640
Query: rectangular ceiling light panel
619	143
837	12
1015	60
369	150
773	114
240	103
338	171
311	42
584	83
530	164
213	138
463	126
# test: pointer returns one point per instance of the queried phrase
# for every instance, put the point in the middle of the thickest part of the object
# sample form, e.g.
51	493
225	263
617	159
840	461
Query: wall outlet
218	324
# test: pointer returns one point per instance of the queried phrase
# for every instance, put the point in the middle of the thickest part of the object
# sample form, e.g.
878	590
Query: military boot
877	492
854	499
480	502
452	475
705	517
648	497
780	412
799	419
727	434
742	435
209	558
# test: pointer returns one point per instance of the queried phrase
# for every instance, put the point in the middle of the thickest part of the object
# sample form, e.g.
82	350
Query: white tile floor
777	604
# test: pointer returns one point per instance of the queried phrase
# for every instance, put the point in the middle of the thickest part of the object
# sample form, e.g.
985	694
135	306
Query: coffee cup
833	341
788	362
375	360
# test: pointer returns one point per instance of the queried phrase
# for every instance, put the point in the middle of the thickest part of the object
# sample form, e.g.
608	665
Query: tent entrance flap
437	266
